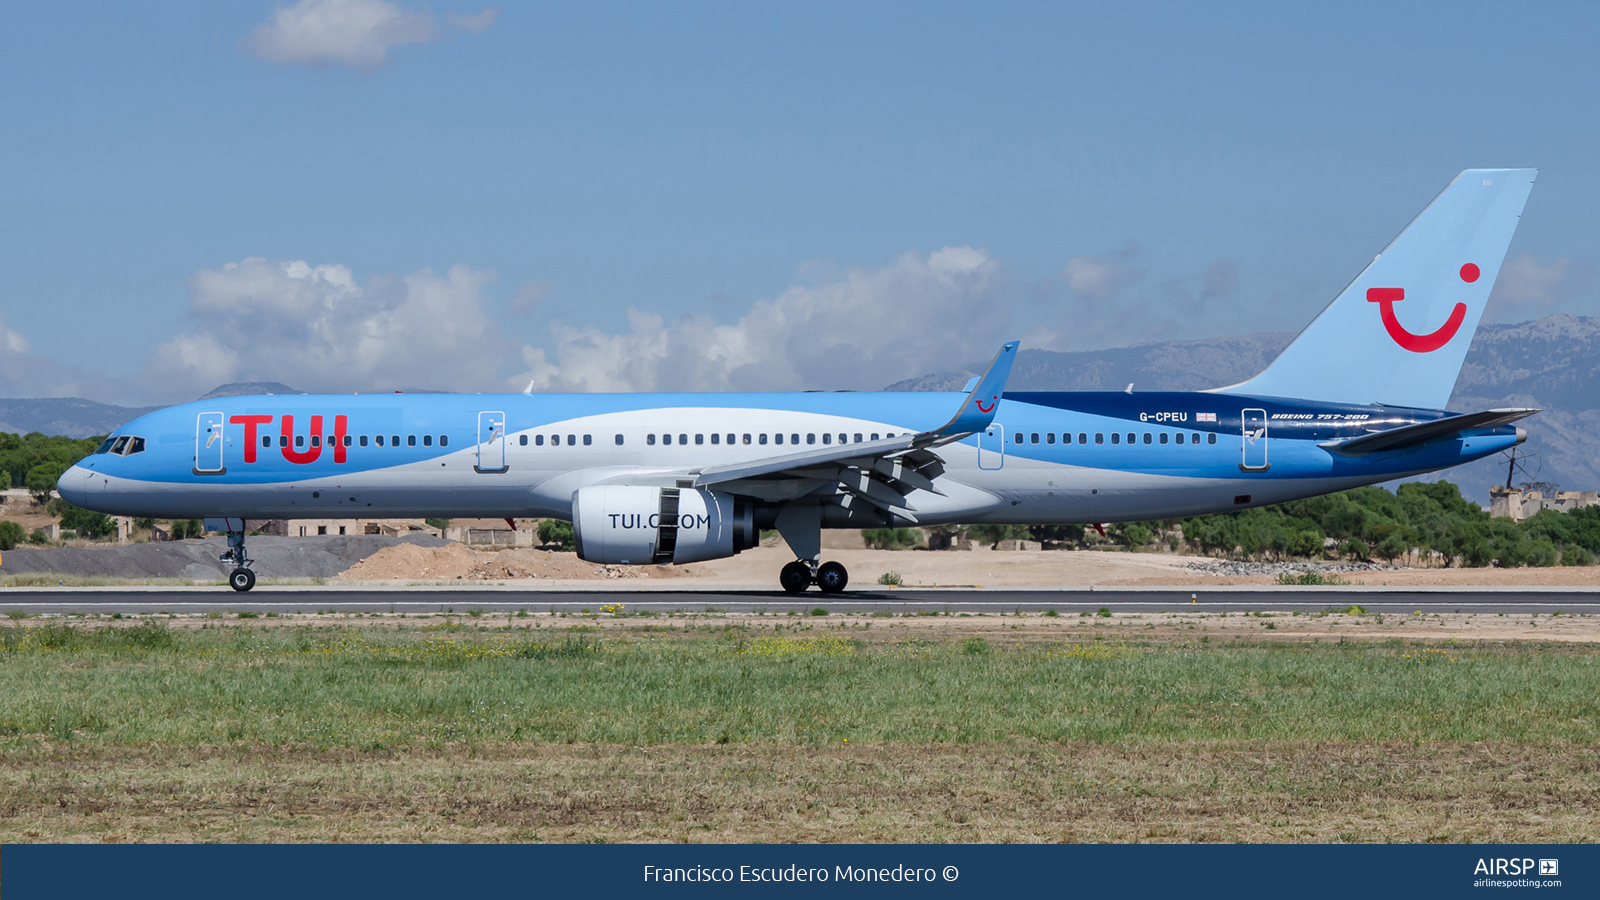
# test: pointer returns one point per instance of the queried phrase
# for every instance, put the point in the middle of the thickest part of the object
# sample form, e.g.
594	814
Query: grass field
711	728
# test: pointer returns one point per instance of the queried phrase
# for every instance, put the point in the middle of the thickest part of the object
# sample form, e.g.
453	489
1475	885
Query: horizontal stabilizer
1426	432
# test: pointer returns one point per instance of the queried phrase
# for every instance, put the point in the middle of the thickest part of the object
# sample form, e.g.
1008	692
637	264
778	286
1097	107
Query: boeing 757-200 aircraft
647	479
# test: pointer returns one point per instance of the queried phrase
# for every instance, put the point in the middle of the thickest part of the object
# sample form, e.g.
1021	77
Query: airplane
648	479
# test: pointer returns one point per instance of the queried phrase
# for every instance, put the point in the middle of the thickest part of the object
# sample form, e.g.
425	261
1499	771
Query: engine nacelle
651	525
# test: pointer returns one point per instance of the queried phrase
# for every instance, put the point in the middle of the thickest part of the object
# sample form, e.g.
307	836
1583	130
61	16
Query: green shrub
819	611
11	534
557	533
974	646
1575	555
891	538
891	578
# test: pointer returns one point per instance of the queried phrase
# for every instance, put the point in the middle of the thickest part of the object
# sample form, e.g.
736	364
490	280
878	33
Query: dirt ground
748	793
916	568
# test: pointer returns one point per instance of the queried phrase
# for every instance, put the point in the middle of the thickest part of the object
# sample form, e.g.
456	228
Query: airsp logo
1514	867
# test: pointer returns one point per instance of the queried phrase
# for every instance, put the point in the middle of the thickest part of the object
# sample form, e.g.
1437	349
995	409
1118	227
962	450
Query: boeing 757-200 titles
648	479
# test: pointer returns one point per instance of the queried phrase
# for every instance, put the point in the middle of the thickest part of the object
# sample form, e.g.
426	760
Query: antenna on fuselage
1128	389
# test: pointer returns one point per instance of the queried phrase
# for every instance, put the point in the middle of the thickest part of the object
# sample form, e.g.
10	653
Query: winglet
977	410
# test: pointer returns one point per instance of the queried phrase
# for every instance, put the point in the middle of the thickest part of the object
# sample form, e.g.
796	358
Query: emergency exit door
1253	441
208	444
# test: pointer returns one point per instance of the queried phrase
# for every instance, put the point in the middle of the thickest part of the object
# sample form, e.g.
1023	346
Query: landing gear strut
241	578
830	577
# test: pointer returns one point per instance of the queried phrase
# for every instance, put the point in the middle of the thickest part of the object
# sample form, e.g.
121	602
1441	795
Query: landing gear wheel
832	578
242	580
795	577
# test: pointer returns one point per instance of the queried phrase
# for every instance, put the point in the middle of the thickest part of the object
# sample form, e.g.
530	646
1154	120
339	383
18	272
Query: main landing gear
241	578
830	577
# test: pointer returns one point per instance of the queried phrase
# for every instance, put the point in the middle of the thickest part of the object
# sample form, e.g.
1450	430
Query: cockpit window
105	445
136	446
120	445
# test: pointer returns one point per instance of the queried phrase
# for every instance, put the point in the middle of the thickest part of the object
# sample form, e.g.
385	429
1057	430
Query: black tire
832	578
795	577
242	580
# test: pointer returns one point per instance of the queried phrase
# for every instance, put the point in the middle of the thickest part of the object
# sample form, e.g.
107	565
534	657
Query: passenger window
794	438
394	440
716	439
316	440
444	440
650	439
843	439
682	439
588	440
698	439
1163	437
1016	437
267	442
1033	438
572	440
777	438
299	440
427	440
858	438
538	440
730	439
379	439
874	436
827	438
747	439
1099	437
619	440
1211	438
1194	438
811	439
363	440
1178	437
411	441
522	439
347	440
137	446
1147	437
1083	437
1132	437
1116	437
1050	437
763	439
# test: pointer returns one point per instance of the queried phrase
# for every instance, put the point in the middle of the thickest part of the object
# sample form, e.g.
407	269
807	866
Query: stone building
1510	503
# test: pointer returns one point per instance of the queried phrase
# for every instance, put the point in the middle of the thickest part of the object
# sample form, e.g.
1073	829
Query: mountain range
1552	363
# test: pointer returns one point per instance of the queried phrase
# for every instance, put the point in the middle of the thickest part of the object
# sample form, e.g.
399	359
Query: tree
42	480
87	524
11	534
557	532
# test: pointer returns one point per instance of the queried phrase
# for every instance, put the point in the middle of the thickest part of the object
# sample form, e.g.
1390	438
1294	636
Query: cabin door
1253	441
491	442
992	447
208	444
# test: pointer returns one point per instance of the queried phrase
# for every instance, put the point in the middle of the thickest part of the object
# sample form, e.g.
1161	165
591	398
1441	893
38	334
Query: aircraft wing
879	474
1425	432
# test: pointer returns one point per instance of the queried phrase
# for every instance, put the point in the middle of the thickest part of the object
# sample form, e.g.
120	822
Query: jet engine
639	526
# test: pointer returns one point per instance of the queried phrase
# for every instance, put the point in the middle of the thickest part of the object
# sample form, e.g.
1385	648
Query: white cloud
316	328
1101	277
531	294
863	330
355	33
24	375
1528	288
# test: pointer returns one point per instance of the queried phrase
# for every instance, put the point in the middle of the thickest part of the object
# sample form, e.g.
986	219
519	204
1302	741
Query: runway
416	600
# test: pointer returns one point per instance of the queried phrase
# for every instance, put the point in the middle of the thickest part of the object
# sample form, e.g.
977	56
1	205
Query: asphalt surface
425	600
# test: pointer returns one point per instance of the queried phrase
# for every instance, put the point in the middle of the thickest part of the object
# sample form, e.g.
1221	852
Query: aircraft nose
73	485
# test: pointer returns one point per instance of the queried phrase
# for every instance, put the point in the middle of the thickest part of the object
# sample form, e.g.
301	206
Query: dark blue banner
437	872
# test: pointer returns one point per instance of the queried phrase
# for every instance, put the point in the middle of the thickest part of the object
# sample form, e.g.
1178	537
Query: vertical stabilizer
1399	332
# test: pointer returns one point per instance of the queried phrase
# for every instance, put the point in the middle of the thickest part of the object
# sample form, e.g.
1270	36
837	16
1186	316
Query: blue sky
639	196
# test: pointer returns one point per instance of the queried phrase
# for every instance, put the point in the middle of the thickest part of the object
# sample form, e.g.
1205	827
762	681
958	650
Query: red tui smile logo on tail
987	409
1386	298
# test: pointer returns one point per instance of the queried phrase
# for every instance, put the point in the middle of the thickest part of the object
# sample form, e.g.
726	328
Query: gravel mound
276	557
457	562
1231	568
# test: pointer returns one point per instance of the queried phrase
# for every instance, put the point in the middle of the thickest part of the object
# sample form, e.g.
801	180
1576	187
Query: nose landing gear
830	577
241	578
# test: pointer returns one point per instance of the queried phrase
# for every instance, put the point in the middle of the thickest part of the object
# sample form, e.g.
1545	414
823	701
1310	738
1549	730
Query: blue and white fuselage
1046	457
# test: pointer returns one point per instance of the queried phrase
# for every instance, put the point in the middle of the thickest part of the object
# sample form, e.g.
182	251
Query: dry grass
909	793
